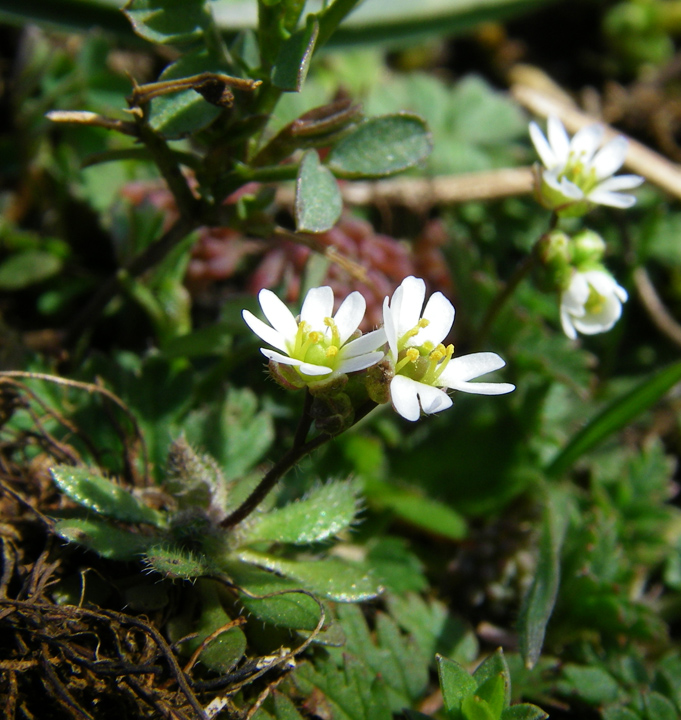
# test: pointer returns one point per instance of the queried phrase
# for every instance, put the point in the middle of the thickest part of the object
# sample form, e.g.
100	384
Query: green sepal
105	539
326	511
381	146
96	493
524	711
318	202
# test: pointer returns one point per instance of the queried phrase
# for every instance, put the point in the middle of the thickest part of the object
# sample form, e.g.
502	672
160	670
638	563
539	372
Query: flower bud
588	248
554	252
378	378
332	414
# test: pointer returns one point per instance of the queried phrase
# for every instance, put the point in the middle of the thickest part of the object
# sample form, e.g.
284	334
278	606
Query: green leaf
524	711
381	146
326	511
92	491
225	651
456	684
658	707
105	539
318	199
177	563
414	507
293	61
351	692
28	268
593	685
620	713
492	669
616	416
289	609
538	604
475	708
284	709
166	21
181	113
330	577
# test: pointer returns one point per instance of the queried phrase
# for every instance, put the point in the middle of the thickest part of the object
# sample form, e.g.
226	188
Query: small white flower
577	173
591	304
422	365
317	344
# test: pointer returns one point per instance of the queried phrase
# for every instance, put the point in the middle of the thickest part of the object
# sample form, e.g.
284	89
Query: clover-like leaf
381	146
96	493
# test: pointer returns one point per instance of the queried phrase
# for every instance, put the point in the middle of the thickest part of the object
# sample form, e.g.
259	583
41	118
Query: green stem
287	461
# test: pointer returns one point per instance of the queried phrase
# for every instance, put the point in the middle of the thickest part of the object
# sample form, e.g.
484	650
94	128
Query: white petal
364	344
350	315
585	143
610	157
264	331
440	315
390	327
611	199
566	322
433	399
410	303
279	316
563	186
620	182
318	304
310	369
360	362
542	146
559	141
404	396
278	357
467	367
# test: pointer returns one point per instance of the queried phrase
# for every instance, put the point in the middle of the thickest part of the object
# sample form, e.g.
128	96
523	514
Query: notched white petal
350	315
404	396
277	314
365	343
360	362
318	304
440	315
264	331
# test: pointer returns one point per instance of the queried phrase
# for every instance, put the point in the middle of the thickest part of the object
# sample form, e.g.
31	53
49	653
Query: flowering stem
521	272
293	456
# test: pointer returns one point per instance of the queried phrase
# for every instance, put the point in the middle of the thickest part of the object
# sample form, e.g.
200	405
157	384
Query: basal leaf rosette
423	367
317	345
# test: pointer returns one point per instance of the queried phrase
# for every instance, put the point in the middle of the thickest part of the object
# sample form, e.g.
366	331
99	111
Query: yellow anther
315	336
331	351
423	322
412	355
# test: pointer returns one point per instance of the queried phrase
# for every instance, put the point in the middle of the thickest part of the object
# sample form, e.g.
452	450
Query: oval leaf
381	146
318	199
96	493
28	268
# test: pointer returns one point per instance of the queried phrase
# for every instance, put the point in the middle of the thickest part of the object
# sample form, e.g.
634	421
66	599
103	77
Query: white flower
591	304
317	344
422	365
577	173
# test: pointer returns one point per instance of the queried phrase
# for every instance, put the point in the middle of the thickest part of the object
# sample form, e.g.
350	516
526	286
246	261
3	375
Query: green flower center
423	363
315	347
584	177
595	303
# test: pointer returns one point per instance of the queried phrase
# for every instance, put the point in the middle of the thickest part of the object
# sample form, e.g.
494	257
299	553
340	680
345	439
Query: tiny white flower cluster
321	346
577	174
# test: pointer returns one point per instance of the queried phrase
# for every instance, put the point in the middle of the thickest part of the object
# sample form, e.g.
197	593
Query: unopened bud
588	248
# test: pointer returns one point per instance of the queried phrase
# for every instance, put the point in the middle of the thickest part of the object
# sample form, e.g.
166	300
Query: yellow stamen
331	351
412	355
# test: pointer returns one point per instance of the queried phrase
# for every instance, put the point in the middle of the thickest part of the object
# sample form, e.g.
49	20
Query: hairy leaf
318	200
